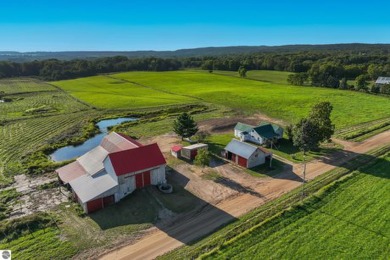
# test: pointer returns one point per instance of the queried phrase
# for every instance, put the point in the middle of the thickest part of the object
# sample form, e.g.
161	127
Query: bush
202	158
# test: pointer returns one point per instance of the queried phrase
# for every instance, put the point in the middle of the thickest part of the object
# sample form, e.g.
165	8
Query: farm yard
41	117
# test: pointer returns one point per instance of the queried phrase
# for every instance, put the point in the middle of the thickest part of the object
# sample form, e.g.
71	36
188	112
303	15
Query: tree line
325	68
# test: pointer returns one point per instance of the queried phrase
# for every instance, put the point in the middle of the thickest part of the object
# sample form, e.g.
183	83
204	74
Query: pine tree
185	126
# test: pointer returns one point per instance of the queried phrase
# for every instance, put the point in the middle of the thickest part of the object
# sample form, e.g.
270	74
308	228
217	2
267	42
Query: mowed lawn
283	101
349	222
108	92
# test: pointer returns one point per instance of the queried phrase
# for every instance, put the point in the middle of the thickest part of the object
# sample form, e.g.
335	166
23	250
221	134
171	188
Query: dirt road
211	217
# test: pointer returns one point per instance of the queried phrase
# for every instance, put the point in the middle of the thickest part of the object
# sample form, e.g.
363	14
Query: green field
283	101
329	226
344	216
272	76
34	99
110	92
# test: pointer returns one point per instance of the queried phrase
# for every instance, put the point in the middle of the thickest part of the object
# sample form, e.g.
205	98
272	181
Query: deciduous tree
242	71
202	158
320	116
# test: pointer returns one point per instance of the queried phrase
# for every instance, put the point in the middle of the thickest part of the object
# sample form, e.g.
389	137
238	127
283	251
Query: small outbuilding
381	81
190	152
175	151
246	155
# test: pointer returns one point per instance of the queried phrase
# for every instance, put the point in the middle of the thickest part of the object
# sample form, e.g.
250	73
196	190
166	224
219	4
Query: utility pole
270	161
304	174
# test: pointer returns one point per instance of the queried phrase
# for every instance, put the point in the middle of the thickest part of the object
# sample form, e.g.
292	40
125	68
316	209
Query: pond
71	151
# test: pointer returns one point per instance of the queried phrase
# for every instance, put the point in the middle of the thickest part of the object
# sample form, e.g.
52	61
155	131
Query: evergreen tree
185	126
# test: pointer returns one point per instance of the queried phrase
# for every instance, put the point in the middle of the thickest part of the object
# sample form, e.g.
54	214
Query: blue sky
168	25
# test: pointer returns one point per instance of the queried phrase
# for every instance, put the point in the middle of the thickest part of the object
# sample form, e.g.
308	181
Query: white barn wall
109	169
158	175
254	161
127	186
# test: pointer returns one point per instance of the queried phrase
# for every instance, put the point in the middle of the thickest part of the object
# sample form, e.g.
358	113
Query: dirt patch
224	125
38	201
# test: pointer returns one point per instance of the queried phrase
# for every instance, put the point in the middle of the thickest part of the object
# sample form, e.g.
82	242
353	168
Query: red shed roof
133	160
176	148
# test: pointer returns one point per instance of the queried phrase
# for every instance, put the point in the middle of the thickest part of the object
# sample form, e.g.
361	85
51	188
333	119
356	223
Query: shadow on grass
285	147
356	161
146	205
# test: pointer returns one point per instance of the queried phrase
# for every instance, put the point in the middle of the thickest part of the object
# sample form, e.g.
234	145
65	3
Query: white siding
126	187
158	175
237	133
256	158
256	138
109	169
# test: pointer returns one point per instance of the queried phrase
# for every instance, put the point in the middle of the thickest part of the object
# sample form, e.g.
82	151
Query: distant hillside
197	52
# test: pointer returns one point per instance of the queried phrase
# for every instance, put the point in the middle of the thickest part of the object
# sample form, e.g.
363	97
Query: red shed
191	151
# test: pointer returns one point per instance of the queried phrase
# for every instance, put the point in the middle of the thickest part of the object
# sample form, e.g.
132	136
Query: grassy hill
270	96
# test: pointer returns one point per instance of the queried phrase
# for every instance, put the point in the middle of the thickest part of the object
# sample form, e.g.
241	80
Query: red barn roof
133	160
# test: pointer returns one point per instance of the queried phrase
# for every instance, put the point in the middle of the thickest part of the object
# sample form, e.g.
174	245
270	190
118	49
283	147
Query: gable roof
383	80
243	127
115	142
70	172
242	149
92	162
133	160
267	131
89	187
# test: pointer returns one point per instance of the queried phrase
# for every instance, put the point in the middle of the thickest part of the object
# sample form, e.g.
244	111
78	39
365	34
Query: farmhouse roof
383	80
266	131
242	149
88	187
133	160
243	127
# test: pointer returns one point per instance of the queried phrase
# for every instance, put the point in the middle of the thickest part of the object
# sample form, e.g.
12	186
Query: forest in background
316	65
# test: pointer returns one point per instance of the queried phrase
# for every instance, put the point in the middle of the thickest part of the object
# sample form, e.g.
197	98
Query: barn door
146	176
108	200
138	181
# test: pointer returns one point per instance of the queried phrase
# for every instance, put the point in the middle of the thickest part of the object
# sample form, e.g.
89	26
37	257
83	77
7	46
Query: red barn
191	151
113	170
246	155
